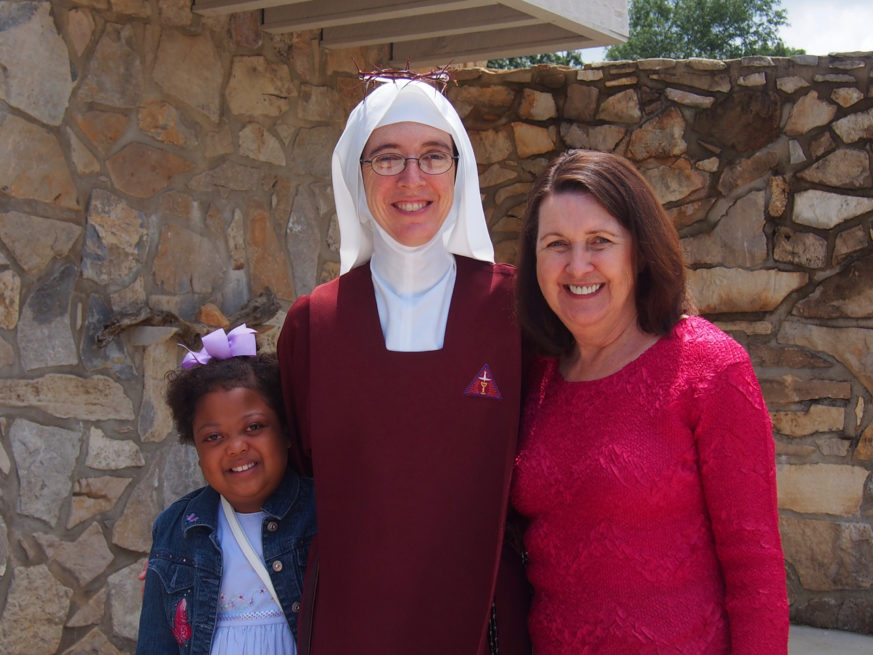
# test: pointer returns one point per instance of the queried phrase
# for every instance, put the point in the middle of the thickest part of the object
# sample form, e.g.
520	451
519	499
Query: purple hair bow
218	345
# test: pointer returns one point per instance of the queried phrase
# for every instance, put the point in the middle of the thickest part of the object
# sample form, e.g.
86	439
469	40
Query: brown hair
659	292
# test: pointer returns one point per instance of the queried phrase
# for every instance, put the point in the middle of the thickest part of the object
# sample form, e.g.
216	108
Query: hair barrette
240	341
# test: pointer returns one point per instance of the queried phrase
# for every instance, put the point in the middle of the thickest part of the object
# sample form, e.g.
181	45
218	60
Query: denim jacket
180	600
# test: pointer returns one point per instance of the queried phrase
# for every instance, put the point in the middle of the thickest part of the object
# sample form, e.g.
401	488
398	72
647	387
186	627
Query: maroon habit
412	454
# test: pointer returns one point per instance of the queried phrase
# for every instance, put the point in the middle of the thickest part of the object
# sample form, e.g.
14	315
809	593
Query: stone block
855	127
90	613
790	388
269	266
80	28
33	166
828	555
660	137
35	241
141	171
491	146
848	242
847	294
720	290
84	559
44	335
303	240
43	455
818	418
833	489
737	239
10	293
96	398
36	67
255	142
623	107
93	643
689	99
537	106
115	72
258	87
162	122
805	249
105	454
186	262
154	420
111	356
125	600
826	210
92	496
604	138
791	84
674	181
746	171
845	168
809	112
853	347
188	67
36	607
581	102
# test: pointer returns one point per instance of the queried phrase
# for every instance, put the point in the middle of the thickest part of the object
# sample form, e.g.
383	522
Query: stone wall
159	171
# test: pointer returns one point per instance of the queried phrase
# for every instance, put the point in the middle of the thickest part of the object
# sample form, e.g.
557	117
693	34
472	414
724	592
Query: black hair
187	386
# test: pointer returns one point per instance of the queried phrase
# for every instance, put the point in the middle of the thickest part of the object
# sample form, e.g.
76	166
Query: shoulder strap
244	545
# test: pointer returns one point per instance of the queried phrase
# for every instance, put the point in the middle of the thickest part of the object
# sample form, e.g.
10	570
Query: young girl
207	589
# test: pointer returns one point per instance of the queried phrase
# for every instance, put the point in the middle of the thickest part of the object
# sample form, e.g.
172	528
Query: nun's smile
412	205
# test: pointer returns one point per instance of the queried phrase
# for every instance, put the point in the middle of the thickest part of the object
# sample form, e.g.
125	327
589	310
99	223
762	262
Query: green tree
567	58
717	29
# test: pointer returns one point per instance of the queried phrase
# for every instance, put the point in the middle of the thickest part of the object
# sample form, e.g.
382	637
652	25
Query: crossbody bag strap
247	550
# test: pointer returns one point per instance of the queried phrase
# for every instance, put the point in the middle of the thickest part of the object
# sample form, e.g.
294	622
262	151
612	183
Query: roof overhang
434	32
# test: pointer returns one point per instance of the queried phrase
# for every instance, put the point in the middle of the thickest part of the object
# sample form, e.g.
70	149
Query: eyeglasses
393	163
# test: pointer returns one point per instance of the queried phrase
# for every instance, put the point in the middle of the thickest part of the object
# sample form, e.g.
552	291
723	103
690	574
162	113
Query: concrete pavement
804	640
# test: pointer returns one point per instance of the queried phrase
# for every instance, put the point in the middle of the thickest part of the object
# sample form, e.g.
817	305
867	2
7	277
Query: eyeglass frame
454	158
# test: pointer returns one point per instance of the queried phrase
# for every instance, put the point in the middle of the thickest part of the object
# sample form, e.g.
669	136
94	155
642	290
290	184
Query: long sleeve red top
651	496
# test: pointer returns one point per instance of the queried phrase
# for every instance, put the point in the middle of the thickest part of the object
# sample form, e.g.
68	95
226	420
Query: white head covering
464	231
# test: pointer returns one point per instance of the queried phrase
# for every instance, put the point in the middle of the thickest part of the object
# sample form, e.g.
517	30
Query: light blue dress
249	620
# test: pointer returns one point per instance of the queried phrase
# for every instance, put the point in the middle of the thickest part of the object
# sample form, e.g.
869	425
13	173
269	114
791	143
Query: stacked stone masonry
155	164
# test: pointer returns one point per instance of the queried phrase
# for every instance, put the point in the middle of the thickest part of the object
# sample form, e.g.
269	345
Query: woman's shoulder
500	274
700	340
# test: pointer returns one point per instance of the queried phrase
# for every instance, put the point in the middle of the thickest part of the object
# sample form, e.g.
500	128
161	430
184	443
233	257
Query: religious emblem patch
484	385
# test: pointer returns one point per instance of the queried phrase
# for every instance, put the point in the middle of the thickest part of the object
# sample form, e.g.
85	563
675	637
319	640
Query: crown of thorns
437	77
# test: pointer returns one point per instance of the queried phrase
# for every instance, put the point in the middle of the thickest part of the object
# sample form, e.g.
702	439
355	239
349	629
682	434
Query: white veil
465	231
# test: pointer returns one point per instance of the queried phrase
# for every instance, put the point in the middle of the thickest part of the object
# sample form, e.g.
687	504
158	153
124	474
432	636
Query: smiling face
411	206
585	266
242	447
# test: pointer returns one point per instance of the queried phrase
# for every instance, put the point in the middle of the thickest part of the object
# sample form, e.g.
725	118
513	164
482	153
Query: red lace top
651	496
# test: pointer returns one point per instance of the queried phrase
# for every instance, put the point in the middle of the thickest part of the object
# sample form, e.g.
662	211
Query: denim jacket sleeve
182	579
155	629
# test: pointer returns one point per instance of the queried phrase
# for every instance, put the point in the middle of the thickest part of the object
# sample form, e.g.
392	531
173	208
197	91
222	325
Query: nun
402	381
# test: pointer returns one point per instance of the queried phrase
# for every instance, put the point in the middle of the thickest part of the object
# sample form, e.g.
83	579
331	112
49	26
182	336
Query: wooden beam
219	7
319	14
464	21
580	16
489	45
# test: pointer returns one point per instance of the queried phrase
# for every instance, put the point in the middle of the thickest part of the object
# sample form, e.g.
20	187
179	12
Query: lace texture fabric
651	496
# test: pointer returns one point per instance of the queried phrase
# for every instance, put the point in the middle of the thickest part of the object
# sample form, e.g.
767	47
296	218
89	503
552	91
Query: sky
817	26
820	26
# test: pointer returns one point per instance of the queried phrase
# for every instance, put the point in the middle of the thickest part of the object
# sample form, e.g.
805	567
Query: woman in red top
646	463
